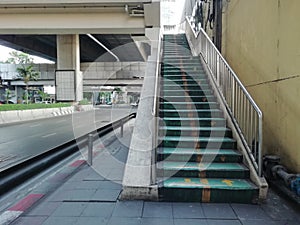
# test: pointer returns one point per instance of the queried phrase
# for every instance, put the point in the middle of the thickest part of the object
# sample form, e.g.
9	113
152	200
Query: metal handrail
245	113
157	74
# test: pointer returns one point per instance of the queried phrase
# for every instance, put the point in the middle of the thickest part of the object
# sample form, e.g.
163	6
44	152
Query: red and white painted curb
15	211
24	204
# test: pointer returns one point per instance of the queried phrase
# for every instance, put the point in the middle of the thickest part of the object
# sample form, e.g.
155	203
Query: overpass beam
68	59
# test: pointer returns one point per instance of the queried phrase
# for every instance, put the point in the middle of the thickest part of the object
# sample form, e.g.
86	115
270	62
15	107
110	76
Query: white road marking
60	121
48	135
35	125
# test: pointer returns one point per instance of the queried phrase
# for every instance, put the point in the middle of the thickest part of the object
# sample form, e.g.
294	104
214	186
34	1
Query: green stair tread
190	151
212	183
188	103
200	139
184	128
192	118
203	166
190	110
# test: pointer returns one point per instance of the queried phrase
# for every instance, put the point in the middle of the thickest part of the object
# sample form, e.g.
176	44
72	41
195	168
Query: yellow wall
261	41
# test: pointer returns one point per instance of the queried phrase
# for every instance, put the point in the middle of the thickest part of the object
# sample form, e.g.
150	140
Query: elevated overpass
57	30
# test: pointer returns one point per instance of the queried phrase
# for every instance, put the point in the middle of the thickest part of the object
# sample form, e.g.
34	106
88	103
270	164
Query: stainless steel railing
245	113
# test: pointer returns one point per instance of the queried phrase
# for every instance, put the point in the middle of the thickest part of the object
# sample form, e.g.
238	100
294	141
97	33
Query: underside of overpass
45	46
73	31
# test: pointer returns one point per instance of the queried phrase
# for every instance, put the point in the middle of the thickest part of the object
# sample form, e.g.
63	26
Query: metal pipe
103	46
122	128
90	149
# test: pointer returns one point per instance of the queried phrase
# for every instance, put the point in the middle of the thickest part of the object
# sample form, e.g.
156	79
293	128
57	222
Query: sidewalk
90	197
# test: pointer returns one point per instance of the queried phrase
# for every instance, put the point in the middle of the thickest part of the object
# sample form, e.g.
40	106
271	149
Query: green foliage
43	95
27	73
17	57
118	90
9	107
84	102
7	95
87	95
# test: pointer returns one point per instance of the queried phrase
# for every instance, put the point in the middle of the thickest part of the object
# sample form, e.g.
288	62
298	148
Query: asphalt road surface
25	140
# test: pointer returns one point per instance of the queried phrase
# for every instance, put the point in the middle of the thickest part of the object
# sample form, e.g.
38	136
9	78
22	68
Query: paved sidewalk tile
91	221
218	211
44	209
250	212
60	221
106	195
157	221
109	185
187	210
267	222
224	222
69	209
72	195
99	209
190	222
37	220
128	209
158	209
124	221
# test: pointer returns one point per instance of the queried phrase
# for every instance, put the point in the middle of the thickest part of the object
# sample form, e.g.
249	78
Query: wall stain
273	81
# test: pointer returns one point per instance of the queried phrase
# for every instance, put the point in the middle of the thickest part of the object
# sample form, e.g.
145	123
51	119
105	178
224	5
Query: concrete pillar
153	34
68	58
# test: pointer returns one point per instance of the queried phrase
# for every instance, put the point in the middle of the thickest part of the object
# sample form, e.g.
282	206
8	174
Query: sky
4	54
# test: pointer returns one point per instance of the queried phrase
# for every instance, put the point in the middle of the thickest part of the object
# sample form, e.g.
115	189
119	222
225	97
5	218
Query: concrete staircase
197	158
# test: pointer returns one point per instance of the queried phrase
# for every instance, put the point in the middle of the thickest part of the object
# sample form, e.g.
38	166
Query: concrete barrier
10	116
7	117
37	113
25	114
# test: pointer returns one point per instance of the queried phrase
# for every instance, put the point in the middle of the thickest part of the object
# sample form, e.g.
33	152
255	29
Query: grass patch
10	107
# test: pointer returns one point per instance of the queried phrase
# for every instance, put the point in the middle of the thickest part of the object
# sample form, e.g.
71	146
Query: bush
84	102
9	107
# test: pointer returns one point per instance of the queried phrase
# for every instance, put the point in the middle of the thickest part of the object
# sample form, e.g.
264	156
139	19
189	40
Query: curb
50	185
31	199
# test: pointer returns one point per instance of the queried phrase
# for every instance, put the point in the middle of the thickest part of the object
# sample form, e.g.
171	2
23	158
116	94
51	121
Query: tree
8	95
27	73
43	95
17	57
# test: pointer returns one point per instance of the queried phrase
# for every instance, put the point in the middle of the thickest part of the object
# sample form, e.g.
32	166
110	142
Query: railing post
122	127
90	149
218	70
260	136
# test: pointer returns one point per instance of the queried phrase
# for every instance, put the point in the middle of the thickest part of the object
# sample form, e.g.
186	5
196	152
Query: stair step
197	155
194	122
207	113
181	92
166	66
197	142
208	190
190	99
189	80
195	131
198	98
202	170
191	105
189	87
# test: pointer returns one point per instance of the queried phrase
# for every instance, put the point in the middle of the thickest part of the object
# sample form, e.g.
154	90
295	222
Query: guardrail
246	115
18	173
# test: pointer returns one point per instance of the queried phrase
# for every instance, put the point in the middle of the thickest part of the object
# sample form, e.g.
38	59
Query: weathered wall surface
261	43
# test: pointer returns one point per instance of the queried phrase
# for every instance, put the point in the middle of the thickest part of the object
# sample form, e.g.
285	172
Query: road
25	140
